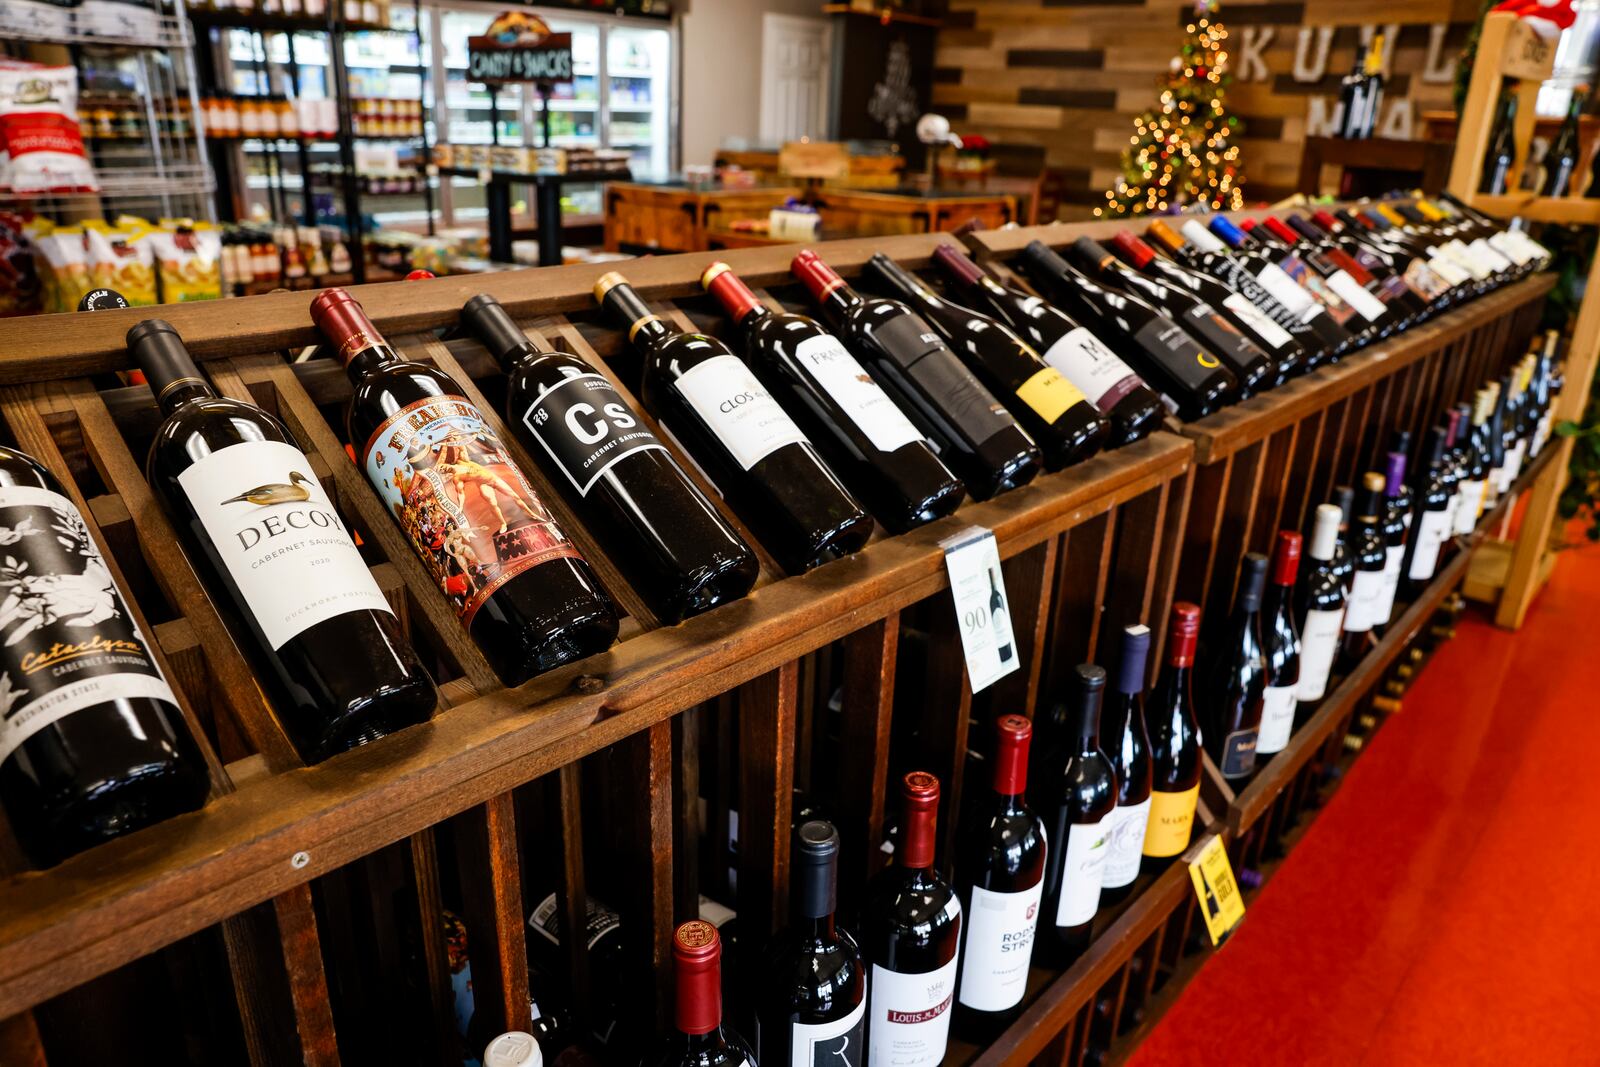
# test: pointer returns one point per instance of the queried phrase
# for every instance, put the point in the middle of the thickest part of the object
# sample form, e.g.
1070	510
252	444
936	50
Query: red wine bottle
866	439
1127	743
1319	605
671	543
1194	382
972	431
1175	763
1000	877
1392	525
1374	272
759	460
700	1039
1237	681
911	930
1131	407
813	1007
1054	412
1344	564
520	588
283	571
1432	520
1370	248
1078	802
1344	276
1280	648
1501	156
1318	277
92	742
1366	585
1269	269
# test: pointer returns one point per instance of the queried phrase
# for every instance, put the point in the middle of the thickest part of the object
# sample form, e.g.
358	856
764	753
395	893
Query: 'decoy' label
861	398
943	379
1172	347
999	943
274	529
1093	368
586	428
1088	845
910	1015
1434	528
67	640
836	1044
1319	643
1259	321
737	409
1125	828
1366	595
1277	719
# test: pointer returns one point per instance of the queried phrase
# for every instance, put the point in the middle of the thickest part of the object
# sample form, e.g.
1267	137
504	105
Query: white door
794	78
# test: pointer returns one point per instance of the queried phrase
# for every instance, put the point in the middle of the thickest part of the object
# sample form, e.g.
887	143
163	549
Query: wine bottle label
272	526
1366	595
1171	821
1432	531
1125	827
1289	292
1507	244
1236	276
452	487
999	943
1313	283
1171	346
910	1015
1219	333
1319	643
1514	458
585	427
1426	281
863	400
1277	719
1355	294
1048	394
737	409
1447	268
1096	370
1088	845
1394	557
1485	253
1471	504
1259	321
1238	754
837	1044
67	637
1392	288
598	921
960	398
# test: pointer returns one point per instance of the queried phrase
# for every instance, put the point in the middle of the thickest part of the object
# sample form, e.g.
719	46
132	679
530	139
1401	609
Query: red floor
1442	909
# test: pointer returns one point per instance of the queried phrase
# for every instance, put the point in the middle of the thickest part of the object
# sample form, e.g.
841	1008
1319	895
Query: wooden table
1373	166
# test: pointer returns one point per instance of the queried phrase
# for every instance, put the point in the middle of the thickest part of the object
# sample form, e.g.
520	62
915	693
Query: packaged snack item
19	280
39	122
63	268
122	259
189	257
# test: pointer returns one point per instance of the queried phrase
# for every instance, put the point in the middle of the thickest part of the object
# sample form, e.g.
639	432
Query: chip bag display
39	124
189	259
122	258
63	268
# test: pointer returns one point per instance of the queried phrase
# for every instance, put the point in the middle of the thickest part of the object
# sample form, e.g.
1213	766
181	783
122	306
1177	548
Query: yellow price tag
1221	903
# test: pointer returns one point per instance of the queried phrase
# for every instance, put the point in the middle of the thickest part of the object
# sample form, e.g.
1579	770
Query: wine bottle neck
160	352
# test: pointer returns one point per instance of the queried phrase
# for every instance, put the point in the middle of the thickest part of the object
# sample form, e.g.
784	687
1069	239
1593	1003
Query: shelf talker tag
1221	903
983	614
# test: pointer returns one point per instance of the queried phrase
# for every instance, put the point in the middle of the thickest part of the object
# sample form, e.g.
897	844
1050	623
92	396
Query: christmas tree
1180	153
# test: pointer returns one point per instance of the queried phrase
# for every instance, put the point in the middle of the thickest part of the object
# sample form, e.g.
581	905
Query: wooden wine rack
295	884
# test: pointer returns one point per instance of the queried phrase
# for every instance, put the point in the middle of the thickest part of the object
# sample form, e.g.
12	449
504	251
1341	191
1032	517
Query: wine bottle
1561	161
1238	677
1175	763
1280	648
1509	240
1455	464
1371	249
1344	564
1369	269
1365	121
700	1039
972	431
1460	283
1287	355
1502	153
671	543
1402	500
1494	441
284	573
1287	290
1000	880
1369	555
1392	525
1352	90
1000	620
813	1008
1127	743
92	742
757	458
1475	467
1344	297
1220	338
1130	406
518	585
911	930
1079	801
1433	521
1055	413
867	440
1192	379
1320	604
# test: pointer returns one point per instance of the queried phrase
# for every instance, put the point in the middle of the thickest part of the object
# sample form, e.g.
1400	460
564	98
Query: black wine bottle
757	458
1127	743
1057	415
1561	161
1319	606
1433	520
1344	564
1237	679
973	433
1352	95
1175	763
1345	298
1280	648
1502	153
700	1039
518	585
671	543
1000	878
1369	555
1475	455
1351	281
1392	524
285	574
813	1006
1367	267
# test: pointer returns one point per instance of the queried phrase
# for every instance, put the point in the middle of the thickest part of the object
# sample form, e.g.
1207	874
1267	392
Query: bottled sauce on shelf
1174	728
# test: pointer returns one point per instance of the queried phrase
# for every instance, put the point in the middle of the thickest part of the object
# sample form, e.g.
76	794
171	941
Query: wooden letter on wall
1440	67
1310	70
1320	112
1398	123
1249	64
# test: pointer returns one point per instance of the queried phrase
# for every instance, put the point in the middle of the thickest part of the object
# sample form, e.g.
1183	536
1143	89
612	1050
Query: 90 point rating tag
983	614
1221	903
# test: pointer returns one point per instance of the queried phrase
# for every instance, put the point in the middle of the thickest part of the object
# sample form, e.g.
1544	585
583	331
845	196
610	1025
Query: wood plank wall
1071	75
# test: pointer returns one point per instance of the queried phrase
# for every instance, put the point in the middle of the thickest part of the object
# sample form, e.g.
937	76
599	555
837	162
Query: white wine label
978	589
1319	643
1277	719
1125	827
67	640
1432	530
836	1044
737	409
999	943
1471	503
836	371
1514	460
1361	610
1451	272
1394	557
1259	321
1488	256
585	427
1511	248
272	526
1288	292
1356	295
910	1015
1093	368
598	921
1087	848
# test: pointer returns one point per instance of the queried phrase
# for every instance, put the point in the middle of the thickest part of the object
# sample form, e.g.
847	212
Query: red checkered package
39	125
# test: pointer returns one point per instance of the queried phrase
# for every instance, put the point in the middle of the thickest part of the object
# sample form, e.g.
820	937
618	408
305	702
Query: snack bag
64	268
119	260
19	279
189	257
39	122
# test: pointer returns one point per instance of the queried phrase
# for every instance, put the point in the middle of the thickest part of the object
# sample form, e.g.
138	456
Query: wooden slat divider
766	792
424	856
647	903
491	888
868	704
20	1044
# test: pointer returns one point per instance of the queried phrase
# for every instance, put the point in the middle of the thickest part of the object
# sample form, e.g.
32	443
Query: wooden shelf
1568	210
887	16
